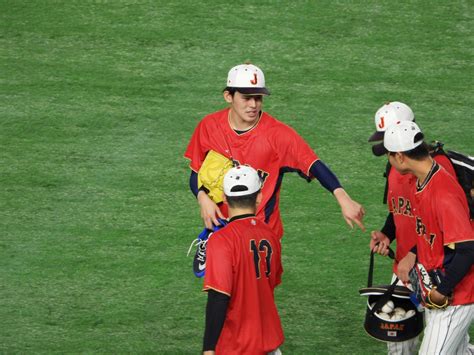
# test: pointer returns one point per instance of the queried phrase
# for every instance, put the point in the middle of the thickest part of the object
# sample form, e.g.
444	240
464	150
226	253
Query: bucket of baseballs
397	320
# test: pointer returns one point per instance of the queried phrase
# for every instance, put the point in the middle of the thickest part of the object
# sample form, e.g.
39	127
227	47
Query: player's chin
252	115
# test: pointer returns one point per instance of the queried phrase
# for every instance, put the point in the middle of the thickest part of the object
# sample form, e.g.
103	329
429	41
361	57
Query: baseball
383	315
396	316
410	313
388	307
400	311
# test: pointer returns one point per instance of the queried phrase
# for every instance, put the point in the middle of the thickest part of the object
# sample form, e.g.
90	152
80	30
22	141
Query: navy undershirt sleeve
216	310
325	176
389	227
193	183
458	268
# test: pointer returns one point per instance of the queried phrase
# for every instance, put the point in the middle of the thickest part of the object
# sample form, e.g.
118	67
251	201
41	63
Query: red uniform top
442	219
244	262
399	204
271	147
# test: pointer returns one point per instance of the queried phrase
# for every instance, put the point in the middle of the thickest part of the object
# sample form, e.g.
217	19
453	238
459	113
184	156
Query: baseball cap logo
382	122
254	80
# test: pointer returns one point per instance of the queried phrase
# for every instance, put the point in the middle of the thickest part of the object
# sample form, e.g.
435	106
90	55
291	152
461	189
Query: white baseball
388	307
396	316
400	311
383	315
410	313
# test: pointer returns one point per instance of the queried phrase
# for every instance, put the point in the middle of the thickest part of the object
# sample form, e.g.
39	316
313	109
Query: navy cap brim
379	150
377	136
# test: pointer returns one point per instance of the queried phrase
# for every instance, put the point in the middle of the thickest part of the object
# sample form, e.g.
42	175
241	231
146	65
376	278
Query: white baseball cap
247	79
402	137
389	114
241	180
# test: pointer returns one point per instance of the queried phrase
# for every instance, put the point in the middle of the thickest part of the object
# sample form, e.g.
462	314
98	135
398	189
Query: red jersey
442	220
244	262
400	188
270	147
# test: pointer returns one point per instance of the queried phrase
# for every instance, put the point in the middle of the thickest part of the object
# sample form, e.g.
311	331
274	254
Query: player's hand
379	243
351	210
405	265
210	212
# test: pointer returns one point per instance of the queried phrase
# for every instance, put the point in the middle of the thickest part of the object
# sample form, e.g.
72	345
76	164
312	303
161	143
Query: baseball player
445	240
243	269
400	222
246	135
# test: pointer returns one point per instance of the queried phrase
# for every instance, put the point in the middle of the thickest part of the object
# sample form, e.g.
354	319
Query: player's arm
216	310
389	228
325	176
458	268
352	211
210	212
453	216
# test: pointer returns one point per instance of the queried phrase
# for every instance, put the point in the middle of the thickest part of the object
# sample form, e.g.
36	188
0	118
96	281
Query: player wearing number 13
243	269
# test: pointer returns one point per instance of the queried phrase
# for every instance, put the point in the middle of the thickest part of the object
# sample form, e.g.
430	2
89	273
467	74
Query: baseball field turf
98	102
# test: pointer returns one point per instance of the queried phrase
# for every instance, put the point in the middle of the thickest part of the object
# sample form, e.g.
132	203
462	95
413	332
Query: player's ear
228	97
400	157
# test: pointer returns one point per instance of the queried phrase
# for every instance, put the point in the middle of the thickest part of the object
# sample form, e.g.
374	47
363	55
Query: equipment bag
464	167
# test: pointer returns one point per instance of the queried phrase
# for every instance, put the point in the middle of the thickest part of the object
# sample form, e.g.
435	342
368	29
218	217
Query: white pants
447	331
407	347
277	351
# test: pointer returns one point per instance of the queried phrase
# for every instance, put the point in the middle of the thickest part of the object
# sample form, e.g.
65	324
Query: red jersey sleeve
197	147
292	149
219	270
453	218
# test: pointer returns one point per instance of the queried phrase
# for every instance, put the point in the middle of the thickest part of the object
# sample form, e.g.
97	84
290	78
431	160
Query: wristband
435	305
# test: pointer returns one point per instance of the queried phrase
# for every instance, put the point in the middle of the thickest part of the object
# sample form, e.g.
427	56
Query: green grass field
98	101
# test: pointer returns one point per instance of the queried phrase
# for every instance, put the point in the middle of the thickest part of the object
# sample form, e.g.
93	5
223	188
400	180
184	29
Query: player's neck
422	169
234	212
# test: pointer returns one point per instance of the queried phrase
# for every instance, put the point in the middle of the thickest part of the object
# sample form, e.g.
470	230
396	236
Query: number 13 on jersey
263	248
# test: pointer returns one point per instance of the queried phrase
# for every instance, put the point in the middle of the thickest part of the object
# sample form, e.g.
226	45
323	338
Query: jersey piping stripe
309	168
247	131
207	288
435	169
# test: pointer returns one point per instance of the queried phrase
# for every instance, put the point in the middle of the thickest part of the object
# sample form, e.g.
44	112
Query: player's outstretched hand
379	243
352	211
210	212
405	265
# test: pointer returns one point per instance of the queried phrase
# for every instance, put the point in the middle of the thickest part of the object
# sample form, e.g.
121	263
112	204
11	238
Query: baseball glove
211	174
423	284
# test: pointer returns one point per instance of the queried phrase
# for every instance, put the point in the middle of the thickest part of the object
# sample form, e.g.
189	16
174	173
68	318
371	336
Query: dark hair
246	201
247	91
231	91
419	153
